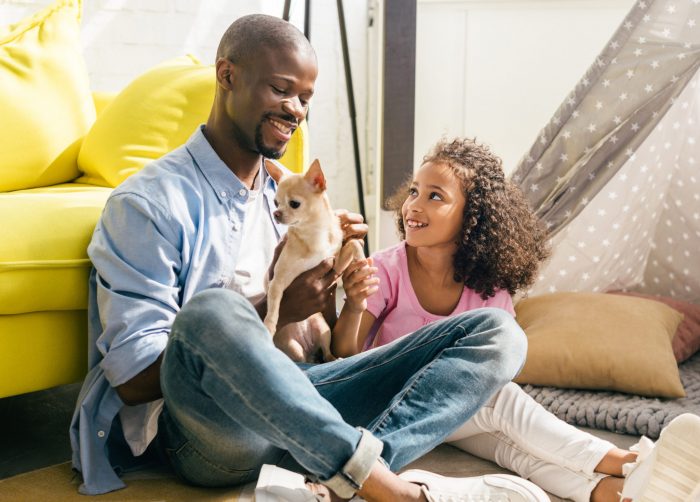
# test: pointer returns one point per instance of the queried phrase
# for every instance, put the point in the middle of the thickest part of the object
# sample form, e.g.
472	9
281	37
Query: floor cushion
686	341
600	341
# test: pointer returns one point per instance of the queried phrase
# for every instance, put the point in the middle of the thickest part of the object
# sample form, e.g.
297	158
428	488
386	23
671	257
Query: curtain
614	174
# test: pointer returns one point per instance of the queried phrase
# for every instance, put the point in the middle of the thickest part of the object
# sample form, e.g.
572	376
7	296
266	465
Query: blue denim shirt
168	232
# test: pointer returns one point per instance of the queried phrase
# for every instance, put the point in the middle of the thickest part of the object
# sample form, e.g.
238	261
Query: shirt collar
215	171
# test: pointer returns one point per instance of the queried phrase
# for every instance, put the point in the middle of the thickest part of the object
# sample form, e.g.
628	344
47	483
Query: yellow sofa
62	150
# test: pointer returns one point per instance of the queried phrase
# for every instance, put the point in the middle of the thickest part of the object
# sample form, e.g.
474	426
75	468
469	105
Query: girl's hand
359	283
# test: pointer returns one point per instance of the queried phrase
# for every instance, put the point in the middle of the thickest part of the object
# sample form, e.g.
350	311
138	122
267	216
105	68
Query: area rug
59	484
622	413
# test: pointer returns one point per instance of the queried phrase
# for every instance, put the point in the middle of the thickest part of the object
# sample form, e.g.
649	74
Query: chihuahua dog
313	234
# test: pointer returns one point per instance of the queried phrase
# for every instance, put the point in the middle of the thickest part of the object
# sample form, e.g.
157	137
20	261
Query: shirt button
223	194
242	192
100	434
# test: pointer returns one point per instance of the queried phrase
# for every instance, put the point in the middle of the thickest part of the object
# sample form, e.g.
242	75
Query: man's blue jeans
233	401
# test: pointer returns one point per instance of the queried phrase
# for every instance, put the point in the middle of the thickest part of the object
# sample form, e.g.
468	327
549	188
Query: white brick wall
123	38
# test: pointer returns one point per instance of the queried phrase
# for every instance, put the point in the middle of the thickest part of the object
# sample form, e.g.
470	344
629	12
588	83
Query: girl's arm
354	322
350	333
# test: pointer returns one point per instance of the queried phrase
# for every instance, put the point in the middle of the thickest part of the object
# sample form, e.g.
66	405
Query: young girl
470	241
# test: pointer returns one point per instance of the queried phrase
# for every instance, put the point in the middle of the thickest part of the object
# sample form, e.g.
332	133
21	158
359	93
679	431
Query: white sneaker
488	488
280	485
669	470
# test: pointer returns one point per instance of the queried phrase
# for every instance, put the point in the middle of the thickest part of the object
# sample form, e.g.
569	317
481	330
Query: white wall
499	69
495	69
123	38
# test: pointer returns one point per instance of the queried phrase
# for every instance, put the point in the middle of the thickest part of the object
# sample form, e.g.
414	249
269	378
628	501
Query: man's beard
266	152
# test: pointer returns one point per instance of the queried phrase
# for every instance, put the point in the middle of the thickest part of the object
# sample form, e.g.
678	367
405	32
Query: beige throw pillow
599	341
686	341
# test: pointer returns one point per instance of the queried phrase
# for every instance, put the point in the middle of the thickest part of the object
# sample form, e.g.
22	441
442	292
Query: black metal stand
350	92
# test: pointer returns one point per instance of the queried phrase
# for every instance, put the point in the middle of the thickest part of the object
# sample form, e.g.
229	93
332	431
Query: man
182	367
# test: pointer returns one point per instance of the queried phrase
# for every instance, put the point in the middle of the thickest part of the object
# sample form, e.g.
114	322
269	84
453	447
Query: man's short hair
248	34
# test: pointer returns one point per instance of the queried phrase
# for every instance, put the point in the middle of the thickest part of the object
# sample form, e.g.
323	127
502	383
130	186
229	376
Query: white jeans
517	433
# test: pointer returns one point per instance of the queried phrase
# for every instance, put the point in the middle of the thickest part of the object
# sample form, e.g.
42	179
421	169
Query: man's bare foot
324	492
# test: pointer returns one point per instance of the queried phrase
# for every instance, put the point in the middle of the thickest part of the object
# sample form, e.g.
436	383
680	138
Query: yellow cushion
44	97
296	157
154	114
599	341
54	354
101	99
43	250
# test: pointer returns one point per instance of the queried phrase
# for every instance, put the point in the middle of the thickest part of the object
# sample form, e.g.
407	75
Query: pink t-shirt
396	306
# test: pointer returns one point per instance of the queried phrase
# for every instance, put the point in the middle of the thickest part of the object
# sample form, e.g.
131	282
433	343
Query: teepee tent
615	174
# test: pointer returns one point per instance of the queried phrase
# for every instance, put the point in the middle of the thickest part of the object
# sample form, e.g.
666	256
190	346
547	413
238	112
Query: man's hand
309	293
275	257
353	225
313	291
144	387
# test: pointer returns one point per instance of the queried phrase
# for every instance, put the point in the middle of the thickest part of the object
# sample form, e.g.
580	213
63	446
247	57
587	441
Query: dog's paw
271	327
330	358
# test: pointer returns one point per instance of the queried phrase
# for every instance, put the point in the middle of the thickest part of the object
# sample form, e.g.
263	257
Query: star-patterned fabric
615	174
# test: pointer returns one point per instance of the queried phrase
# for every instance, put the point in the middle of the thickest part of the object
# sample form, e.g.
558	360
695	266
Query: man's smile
281	129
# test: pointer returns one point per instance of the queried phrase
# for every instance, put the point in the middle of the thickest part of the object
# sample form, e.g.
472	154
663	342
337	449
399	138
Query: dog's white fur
314	234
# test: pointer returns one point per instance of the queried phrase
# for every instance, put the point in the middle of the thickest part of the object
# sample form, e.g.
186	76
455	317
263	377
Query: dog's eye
277	204
294	204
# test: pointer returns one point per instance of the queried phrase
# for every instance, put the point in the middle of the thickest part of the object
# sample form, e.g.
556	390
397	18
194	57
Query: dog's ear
274	171
314	176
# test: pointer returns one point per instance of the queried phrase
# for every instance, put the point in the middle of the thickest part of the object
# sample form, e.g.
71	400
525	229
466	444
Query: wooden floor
34	434
34	429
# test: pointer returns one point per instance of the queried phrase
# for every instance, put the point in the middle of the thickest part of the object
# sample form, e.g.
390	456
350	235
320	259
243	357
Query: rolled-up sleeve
136	254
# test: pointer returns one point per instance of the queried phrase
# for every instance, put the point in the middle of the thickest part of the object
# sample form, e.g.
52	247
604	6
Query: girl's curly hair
502	241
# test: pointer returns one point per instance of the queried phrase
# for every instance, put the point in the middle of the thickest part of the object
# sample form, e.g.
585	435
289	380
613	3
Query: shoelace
446	497
309	496
643	448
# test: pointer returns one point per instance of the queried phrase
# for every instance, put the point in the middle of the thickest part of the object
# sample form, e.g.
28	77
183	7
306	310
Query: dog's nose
277	214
